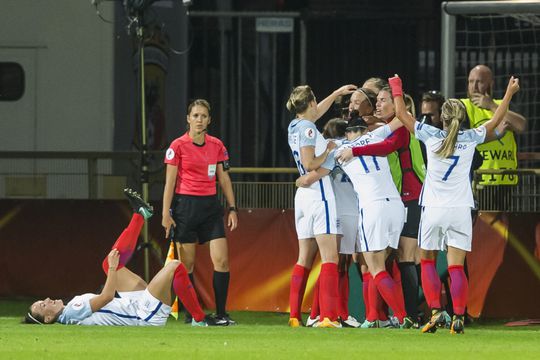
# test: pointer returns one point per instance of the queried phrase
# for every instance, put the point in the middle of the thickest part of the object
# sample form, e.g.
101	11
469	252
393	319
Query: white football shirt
304	133
447	182
346	200
370	175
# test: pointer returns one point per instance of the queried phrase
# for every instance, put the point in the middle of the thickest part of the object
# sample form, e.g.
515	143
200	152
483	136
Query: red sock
329	297
186	293
315	305
396	275
431	283
298	287
343	286
375	301
388	290
377	307
366	278
459	288
126	242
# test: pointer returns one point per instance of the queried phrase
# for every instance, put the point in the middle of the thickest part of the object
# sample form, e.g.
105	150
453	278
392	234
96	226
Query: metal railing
103	175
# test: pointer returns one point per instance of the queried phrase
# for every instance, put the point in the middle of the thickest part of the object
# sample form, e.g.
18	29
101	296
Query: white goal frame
449	10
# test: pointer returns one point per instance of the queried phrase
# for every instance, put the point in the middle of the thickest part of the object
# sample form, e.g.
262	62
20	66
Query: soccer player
138	303
446	197
381	210
194	162
315	207
408	171
347	213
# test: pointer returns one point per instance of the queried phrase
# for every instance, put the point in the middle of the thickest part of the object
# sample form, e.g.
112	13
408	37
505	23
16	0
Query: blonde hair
453	113
409	103
300	98
377	83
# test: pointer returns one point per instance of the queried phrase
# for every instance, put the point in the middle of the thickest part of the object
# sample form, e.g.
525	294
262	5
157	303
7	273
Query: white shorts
442	227
381	223
349	227
315	217
151	310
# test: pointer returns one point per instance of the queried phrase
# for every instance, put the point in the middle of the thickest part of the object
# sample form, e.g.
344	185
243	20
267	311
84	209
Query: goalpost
504	35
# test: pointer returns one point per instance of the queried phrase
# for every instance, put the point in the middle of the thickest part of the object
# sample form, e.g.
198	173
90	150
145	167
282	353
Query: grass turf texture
259	336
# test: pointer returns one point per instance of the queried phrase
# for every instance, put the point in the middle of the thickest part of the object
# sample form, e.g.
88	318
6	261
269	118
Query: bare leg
160	285
307	251
129	281
186	254
219	252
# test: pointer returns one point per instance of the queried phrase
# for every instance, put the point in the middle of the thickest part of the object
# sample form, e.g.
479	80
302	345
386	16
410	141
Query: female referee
194	161
446	197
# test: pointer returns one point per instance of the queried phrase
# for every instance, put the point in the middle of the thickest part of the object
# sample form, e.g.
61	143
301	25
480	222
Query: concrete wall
67	54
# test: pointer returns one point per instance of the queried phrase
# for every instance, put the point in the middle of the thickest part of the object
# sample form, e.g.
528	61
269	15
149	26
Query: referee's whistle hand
232	220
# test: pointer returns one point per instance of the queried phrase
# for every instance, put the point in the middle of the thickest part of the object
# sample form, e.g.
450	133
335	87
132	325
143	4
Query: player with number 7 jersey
447	183
446	197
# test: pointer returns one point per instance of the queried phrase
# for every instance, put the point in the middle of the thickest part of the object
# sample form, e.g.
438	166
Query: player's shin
126	242
186	293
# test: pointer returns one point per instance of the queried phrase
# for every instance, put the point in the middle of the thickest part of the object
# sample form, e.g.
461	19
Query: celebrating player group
365	190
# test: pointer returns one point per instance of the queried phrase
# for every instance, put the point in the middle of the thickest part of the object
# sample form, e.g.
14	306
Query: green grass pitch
258	336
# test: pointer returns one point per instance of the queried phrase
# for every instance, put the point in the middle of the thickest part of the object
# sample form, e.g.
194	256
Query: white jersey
346	200
370	175
304	133
447	182
139	308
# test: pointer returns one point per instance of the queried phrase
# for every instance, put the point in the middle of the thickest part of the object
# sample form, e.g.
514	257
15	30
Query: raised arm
107	294
512	120
401	109
324	105
500	113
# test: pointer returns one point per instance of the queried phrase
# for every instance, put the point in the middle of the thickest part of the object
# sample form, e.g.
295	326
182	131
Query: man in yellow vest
480	105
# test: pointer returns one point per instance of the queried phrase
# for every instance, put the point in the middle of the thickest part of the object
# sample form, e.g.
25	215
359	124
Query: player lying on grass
139	303
446	197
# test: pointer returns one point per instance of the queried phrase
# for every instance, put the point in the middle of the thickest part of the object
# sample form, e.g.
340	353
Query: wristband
396	86
233	208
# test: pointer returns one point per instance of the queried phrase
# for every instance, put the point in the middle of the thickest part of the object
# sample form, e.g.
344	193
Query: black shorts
197	218
412	222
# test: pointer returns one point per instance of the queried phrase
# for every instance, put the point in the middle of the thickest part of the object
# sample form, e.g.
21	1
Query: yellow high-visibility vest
497	154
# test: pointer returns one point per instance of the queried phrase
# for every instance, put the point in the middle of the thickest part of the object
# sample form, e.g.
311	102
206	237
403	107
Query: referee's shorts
198	219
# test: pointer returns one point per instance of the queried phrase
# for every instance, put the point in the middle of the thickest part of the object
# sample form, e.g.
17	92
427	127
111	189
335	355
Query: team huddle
350	201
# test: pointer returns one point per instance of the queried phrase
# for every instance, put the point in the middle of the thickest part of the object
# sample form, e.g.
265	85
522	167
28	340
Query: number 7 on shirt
452	166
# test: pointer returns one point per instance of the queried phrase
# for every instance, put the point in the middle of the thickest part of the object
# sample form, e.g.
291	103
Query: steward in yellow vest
497	154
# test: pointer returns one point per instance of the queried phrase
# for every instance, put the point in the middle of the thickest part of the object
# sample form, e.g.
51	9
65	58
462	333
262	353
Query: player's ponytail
452	115
300	98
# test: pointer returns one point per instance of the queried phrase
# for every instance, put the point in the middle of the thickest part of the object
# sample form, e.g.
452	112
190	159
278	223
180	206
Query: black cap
356	123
